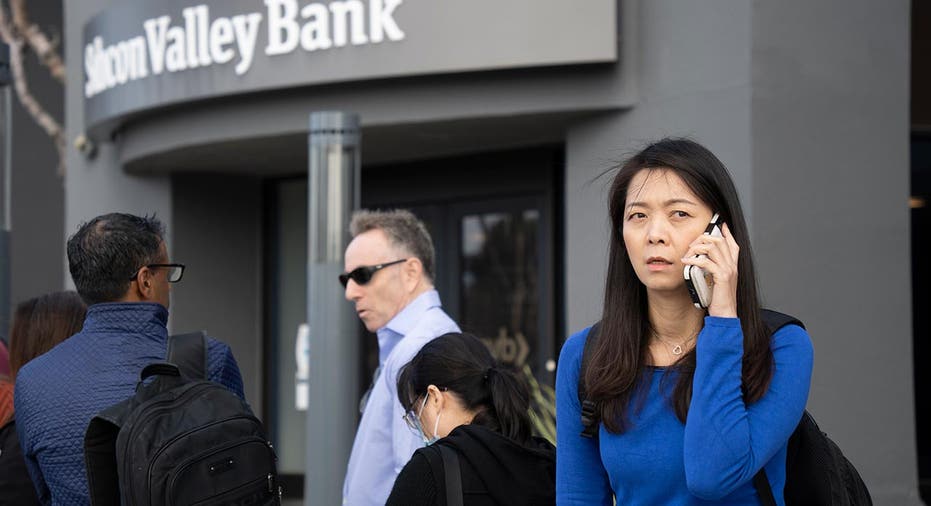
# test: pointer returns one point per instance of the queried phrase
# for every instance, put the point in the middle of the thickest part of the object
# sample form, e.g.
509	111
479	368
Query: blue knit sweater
710	459
59	392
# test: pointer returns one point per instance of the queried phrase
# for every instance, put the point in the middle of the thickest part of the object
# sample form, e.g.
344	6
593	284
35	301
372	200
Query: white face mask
427	441
434	439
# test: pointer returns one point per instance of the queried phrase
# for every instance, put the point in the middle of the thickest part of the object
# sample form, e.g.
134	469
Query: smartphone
696	279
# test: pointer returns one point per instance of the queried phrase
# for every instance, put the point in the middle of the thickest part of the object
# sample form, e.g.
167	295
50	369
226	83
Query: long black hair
461	364
618	361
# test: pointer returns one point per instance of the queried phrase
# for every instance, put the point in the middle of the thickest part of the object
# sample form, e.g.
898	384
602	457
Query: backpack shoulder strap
589	411
189	353
453	475
761	484
774	321
103	486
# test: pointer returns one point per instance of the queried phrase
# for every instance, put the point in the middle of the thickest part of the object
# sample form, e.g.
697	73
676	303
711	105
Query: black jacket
495	471
15	485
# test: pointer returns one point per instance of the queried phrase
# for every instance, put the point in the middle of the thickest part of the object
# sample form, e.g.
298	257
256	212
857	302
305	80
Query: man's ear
145	284
413	272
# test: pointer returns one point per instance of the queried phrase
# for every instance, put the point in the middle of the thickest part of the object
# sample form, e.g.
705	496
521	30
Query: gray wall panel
710	103
218	235
831	186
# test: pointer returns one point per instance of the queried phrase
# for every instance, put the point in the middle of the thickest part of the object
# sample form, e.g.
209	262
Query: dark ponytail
464	366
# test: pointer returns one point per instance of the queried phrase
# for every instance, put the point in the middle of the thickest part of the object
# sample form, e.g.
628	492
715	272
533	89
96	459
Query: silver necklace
675	348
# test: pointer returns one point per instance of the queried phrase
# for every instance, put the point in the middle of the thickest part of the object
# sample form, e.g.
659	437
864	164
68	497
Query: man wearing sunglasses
389	278
120	267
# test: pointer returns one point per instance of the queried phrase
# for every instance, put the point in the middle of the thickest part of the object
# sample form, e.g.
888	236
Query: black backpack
817	472
180	440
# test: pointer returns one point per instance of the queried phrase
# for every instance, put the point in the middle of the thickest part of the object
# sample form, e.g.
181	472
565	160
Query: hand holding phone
697	280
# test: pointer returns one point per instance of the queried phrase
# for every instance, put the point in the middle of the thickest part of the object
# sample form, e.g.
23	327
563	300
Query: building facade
494	122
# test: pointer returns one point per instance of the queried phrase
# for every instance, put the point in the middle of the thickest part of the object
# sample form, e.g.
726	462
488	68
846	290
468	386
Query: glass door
504	279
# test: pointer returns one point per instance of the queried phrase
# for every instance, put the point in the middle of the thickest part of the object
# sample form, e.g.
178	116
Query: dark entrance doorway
495	219
495	227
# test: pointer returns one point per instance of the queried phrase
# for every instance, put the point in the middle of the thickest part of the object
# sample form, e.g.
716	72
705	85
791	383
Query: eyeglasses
362	275
412	420
175	271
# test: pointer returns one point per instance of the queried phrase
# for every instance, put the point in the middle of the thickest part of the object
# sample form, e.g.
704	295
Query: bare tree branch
44	48
29	102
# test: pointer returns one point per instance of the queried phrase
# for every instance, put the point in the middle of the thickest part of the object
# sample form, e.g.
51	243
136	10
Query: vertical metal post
6	193
332	412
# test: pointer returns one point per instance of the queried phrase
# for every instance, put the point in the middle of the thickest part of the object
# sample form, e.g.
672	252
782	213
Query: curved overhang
141	56
401	119
286	153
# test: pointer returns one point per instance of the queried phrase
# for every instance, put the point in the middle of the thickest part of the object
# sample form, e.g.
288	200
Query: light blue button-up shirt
384	443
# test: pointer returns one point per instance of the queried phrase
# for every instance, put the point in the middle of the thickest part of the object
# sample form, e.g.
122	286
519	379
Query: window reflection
499	282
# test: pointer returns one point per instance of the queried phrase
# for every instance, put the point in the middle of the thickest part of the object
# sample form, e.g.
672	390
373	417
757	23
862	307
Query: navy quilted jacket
59	392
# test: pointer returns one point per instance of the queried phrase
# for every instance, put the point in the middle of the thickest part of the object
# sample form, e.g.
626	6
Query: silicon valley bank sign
200	41
141	55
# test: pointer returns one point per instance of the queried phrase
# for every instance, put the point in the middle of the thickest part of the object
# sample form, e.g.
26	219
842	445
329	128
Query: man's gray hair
404	231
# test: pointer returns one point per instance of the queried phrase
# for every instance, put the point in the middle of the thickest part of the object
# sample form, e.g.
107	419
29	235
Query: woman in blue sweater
692	401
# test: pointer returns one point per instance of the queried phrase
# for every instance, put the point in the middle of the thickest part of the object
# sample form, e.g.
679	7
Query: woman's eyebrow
670	202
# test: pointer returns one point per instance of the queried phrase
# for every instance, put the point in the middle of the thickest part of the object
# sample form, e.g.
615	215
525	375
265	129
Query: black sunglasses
362	275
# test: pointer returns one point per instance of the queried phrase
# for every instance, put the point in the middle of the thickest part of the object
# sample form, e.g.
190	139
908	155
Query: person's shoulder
220	356
417	482
405	350
55	373
793	337
45	381
569	365
222	367
215	345
424	331
575	344
219	353
37	369
427	460
421	453
420	465
432	323
543	445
